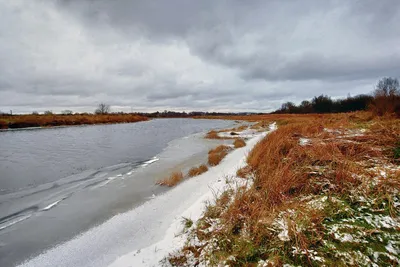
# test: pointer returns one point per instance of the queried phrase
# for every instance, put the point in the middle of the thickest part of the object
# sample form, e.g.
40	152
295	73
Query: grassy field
24	121
321	190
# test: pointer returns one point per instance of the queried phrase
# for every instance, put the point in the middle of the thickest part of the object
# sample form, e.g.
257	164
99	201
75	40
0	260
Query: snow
282	225
148	233
173	240
247	133
284	234
52	205
389	247
147	163
304	141
319	203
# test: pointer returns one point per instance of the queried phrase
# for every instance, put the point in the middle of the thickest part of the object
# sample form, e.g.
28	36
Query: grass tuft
244	172
195	171
239	142
172	180
187	222
212	135
216	155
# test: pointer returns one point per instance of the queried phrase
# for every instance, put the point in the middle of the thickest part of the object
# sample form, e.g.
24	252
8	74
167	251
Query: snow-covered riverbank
144	235
205	187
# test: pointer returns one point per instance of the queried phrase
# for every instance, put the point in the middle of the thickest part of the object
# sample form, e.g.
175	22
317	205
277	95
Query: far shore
53	120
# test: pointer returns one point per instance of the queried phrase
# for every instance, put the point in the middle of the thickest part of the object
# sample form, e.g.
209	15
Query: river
59	182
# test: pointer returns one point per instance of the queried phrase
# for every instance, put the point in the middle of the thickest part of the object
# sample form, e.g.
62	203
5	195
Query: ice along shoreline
147	227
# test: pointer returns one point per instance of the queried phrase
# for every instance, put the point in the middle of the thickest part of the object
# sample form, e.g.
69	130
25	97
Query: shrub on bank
216	155
212	135
239	142
171	180
195	171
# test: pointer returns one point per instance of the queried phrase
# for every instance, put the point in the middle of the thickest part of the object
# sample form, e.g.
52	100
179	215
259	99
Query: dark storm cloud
179	54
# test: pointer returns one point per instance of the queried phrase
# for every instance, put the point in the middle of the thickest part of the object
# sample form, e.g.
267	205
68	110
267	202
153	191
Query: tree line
385	99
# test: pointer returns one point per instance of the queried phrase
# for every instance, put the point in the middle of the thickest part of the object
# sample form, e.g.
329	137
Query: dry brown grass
385	105
216	155
195	171
244	172
171	180
286	172
3	125
24	121
239	142
237	129
260	125
212	135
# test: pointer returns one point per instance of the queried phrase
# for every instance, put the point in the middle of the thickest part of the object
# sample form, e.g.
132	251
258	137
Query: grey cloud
179	54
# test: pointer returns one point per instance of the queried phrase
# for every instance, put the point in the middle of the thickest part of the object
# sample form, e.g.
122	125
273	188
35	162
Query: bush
386	97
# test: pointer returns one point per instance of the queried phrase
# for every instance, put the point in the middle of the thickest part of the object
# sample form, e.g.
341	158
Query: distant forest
324	104
385	99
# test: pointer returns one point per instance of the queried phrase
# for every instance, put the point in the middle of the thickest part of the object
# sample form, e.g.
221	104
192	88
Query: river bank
147	224
52	120
319	192
319	189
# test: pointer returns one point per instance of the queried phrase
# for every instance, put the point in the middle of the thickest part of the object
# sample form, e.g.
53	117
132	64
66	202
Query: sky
185	55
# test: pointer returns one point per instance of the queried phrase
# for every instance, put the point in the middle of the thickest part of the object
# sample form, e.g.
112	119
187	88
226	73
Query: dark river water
56	183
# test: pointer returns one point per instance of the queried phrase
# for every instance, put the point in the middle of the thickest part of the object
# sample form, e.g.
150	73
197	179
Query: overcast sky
149	55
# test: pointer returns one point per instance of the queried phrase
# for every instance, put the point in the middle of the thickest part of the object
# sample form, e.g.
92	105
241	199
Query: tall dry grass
216	155
285	172
385	105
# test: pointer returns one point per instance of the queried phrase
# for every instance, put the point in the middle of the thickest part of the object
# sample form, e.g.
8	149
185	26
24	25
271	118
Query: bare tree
102	108
386	97
66	112
387	87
